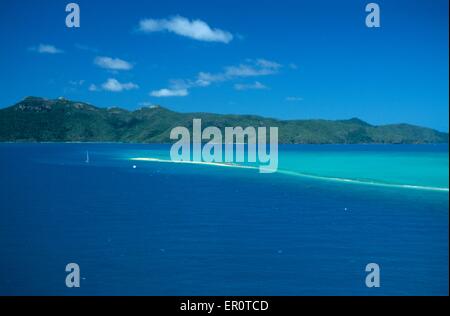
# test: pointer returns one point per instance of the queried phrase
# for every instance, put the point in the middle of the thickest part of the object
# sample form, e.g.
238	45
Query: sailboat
87	156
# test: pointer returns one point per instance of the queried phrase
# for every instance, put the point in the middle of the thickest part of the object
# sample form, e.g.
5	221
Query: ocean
137	224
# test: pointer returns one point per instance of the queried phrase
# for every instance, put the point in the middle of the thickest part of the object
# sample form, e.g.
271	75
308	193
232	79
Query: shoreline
137	143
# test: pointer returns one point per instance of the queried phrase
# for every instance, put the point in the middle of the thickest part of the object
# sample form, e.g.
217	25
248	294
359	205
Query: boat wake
300	174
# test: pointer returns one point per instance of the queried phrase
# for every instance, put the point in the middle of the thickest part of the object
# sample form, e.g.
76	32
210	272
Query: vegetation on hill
41	120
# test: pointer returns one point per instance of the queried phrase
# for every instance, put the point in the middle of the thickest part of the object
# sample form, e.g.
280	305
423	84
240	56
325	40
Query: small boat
87	156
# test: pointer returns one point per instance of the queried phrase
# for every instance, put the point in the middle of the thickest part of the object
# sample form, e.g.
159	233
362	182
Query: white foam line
217	164
299	174
391	185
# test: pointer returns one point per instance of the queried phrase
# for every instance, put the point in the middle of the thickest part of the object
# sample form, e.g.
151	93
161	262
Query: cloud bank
252	68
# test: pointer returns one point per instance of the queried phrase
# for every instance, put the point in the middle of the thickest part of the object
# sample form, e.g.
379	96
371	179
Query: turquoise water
139	227
408	166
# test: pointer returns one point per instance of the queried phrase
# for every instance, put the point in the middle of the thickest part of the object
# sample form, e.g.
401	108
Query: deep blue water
174	229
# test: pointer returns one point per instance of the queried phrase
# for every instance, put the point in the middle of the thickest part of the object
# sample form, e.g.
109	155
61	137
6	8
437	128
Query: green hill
40	120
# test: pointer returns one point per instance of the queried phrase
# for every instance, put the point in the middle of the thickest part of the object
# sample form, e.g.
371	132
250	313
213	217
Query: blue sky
284	59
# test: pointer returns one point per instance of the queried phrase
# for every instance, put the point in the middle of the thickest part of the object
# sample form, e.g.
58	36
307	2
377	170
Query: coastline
137	143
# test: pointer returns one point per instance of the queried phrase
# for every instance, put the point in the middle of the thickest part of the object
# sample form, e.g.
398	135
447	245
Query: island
36	119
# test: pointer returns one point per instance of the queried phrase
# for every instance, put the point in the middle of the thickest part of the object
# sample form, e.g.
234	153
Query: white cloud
112	63
195	29
169	93
114	85
46	49
260	67
248	71
267	64
294	99
252	68
252	86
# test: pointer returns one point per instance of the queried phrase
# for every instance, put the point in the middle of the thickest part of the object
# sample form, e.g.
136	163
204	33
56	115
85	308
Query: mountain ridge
36	119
